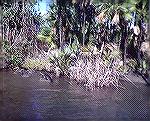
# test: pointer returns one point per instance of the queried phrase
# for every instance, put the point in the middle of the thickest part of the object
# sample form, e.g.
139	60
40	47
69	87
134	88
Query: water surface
31	99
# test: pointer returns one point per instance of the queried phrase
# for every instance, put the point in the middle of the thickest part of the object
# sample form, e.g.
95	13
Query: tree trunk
84	4
59	19
149	23
60	32
23	18
1	30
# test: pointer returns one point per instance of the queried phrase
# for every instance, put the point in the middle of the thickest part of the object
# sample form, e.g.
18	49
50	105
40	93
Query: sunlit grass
38	64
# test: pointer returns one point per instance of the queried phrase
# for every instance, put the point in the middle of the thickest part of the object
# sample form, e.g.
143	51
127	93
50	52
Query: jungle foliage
76	26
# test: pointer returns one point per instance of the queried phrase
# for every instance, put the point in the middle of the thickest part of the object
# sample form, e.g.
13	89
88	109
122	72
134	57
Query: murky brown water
31	99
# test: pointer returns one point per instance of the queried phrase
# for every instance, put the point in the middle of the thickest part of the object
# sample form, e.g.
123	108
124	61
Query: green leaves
128	16
46	31
133	2
16	60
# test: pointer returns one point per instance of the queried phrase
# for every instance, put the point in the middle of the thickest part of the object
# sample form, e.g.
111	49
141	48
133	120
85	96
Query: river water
33	99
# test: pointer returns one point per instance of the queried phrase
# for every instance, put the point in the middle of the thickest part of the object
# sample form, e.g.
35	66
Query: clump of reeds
98	70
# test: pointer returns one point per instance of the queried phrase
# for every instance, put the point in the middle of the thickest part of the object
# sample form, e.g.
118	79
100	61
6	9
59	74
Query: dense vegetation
77	37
